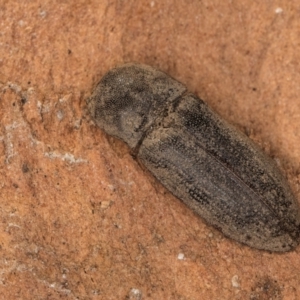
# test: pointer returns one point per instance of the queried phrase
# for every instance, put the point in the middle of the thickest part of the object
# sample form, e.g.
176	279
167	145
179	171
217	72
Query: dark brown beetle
213	168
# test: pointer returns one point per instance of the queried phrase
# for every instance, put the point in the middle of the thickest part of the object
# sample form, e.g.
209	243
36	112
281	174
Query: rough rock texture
79	218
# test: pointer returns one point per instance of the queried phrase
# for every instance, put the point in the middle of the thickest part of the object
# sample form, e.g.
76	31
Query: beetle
213	168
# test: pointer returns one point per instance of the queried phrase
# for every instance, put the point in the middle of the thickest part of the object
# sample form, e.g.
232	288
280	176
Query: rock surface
79	218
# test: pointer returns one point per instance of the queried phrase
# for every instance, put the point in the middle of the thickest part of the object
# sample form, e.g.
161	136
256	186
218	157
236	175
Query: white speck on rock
60	115
235	281
15	87
180	256
105	204
21	23
65	157
13	225
43	13
135	294
77	124
278	10
30	90
58	287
